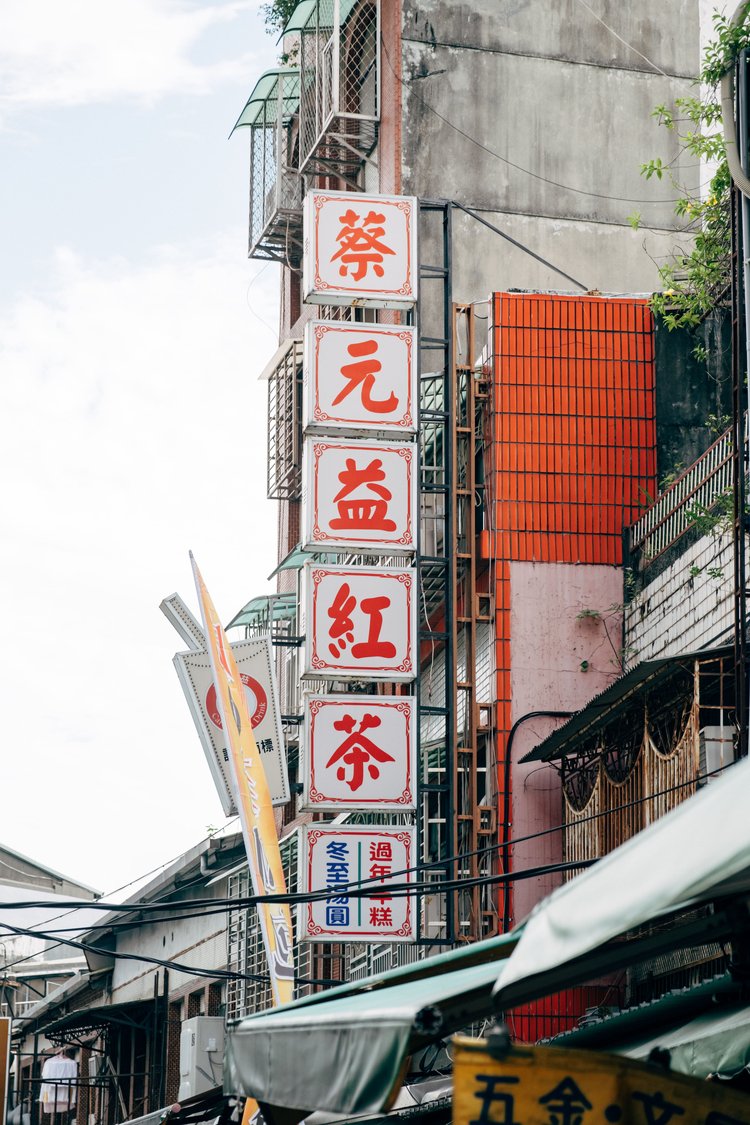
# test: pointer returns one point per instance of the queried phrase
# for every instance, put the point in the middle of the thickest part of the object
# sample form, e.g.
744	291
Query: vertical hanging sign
252	798
360	249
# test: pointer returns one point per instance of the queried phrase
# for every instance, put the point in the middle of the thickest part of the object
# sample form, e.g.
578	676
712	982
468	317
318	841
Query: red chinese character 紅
361	246
341	631
362	374
357	751
362	501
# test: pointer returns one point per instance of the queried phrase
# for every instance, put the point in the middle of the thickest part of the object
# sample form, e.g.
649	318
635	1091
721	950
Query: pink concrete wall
559	661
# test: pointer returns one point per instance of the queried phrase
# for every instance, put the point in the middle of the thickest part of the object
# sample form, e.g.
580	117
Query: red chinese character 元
381	850
362	374
341	631
357	750
362	501
361	246
381	916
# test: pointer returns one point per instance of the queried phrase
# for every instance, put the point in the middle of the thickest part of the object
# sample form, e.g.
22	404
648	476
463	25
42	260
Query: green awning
343	1051
266	607
304	15
699	853
716	1043
297	558
267	89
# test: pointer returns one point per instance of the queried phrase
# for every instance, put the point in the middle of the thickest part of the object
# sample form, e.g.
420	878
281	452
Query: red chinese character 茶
361	246
357	751
362	374
362	500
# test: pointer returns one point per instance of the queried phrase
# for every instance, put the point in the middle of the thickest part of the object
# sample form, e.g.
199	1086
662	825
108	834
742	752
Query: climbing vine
694	281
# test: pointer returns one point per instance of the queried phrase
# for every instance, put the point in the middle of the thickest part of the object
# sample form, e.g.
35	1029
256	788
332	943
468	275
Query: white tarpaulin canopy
696	854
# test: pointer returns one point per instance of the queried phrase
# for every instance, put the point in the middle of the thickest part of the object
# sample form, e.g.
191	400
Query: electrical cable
364	887
511	163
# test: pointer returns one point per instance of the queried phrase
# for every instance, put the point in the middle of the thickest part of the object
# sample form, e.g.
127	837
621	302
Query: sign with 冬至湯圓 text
340	863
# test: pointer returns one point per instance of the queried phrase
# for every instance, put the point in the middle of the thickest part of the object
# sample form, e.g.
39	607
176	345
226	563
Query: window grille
339	53
285	425
275	184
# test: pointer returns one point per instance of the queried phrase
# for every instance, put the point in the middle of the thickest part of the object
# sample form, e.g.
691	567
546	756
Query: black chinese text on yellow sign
554	1086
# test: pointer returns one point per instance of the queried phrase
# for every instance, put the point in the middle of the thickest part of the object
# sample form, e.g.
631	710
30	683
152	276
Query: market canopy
343	1051
699	853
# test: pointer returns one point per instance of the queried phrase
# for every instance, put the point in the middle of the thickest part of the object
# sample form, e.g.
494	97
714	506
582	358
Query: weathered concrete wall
693	396
504	101
559	660
688	606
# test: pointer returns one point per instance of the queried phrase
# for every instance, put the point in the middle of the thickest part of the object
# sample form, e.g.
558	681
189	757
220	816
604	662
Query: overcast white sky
132	425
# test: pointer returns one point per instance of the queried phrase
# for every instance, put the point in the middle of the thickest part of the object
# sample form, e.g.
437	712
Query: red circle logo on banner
257	702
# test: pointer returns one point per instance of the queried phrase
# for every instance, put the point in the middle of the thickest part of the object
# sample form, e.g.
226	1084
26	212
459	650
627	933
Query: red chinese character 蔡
362	501
381	916
381	849
357	751
361	246
341	630
362	374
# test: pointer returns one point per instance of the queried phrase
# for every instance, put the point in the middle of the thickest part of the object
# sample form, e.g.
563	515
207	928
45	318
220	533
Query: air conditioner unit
717	750
97	1067
201	1055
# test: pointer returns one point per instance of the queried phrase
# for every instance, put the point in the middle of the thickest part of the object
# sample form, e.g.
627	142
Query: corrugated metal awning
343	1051
267	89
605	706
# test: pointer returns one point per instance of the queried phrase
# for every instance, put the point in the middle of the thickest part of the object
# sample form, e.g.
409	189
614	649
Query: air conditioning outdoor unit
201	1055
716	751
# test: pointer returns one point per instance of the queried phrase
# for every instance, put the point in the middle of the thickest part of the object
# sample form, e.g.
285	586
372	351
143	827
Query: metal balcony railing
275	184
682	504
339	59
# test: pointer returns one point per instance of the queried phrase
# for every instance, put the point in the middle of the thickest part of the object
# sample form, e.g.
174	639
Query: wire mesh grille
340	93
275	184
285	426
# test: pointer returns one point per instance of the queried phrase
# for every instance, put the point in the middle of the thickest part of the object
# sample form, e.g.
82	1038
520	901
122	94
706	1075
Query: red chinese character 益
362	501
341	631
357	751
361	246
362	374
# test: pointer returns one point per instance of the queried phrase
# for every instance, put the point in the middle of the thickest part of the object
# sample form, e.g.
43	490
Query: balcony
275	184
339	59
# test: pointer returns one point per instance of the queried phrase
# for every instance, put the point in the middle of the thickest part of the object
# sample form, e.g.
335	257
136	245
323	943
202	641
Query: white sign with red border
359	623
359	495
359	378
359	751
335	857
255	663
360	249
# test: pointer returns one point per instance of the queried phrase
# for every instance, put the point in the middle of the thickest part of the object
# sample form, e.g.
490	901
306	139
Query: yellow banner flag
556	1086
253	800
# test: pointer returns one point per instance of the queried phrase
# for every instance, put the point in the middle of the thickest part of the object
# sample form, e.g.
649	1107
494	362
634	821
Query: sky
133	329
